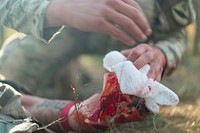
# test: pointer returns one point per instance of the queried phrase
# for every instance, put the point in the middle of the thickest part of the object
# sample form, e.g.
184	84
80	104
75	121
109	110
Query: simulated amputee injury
128	95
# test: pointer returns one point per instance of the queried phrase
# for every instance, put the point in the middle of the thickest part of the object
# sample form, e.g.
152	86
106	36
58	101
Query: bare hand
144	54
101	16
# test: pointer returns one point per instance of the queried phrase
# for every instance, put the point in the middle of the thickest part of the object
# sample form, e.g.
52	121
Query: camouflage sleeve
172	42
25	16
14	117
173	47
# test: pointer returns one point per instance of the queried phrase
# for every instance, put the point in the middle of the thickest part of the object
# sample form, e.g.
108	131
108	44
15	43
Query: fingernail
143	38
148	32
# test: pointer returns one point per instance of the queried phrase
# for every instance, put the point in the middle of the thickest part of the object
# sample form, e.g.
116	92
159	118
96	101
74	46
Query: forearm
49	111
44	110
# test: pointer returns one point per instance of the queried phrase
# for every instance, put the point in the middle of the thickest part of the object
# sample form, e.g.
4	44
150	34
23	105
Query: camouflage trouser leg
53	69
10	105
46	69
38	66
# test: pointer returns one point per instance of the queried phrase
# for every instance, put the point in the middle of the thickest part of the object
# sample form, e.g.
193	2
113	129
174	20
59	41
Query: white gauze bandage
135	82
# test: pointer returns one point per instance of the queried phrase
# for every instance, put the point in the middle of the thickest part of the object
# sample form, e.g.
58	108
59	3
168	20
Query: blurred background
185	81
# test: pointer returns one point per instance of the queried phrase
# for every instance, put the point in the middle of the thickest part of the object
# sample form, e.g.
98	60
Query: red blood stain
115	106
149	88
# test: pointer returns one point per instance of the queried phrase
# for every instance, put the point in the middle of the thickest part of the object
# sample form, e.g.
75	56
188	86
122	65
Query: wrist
74	117
54	15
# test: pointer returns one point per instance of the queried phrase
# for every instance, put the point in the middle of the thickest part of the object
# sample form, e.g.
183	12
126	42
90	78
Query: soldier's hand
105	16
144	54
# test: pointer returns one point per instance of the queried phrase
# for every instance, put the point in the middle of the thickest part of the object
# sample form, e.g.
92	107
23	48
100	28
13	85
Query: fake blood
115	106
149	88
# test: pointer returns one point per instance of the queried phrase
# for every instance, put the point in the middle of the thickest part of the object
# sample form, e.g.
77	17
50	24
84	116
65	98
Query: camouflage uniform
13	117
29	61
37	65
23	14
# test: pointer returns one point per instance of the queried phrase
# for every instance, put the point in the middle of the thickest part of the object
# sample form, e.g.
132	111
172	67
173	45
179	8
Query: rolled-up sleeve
25	16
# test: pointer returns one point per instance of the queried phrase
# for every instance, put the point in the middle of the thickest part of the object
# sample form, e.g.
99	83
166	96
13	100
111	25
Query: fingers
133	10
144	54
122	19
129	17
128	24
144	59
155	67
133	3
155	71
117	33
135	53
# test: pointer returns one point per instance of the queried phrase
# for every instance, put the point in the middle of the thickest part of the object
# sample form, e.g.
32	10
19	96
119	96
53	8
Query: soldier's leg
36	65
40	66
